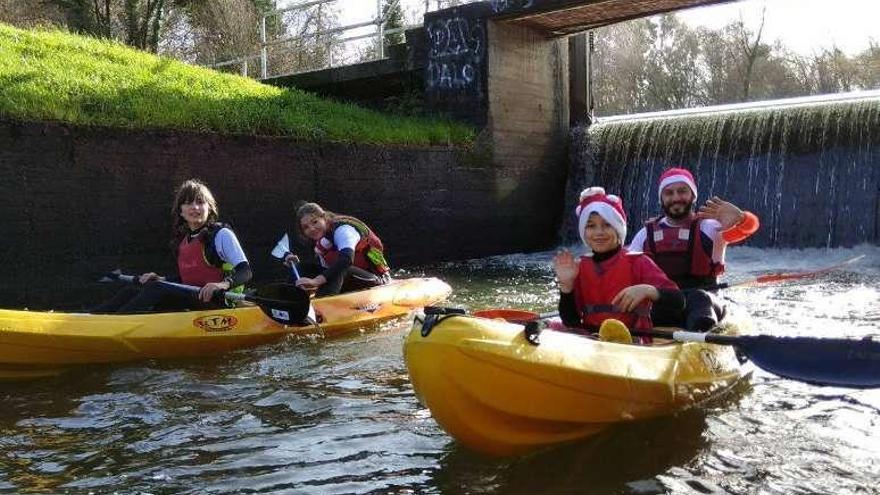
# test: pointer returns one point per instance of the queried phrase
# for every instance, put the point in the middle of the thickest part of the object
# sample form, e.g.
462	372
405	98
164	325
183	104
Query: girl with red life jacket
208	256
609	282
350	255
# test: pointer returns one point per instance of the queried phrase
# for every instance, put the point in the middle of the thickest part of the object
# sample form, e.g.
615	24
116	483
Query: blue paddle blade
833	362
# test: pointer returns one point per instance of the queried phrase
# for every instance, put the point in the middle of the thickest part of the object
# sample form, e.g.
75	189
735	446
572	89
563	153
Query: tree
732	58
223	30
619	60
392	14
143	21
312	42
134	22
672	81
868	67
752	51
26	15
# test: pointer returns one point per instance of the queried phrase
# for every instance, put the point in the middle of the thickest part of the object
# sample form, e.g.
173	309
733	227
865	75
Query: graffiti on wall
456	54
499	6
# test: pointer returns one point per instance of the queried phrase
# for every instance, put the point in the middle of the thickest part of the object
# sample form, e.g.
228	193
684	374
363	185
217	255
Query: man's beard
682	210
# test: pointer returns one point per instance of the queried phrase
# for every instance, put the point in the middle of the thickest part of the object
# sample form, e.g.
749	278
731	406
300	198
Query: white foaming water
340	416
743	262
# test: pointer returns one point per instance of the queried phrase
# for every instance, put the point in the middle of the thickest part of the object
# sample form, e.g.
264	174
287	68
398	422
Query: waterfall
808	167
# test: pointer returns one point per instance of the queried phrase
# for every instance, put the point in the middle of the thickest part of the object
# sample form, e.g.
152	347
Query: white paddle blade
282	248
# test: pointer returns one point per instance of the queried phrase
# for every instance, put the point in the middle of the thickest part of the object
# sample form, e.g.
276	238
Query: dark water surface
328	417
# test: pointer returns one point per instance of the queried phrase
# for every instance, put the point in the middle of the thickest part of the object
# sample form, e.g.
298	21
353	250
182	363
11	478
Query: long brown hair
311	209
189	191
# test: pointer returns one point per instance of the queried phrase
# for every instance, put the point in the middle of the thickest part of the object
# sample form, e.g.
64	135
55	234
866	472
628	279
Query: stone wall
79	201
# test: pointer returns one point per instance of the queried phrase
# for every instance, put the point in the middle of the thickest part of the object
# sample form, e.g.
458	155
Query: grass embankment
54	75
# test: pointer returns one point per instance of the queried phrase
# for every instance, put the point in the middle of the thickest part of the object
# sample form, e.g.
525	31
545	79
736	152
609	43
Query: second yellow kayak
495	393
39	343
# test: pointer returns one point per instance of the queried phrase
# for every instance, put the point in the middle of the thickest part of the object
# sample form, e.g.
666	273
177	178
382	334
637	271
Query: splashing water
339	416
810	168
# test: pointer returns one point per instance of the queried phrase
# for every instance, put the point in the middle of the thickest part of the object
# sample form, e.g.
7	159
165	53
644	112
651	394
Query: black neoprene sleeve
568	310
670	299
338	269
241	274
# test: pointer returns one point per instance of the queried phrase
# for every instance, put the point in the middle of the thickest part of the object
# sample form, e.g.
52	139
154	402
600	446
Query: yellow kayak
37	343
496	393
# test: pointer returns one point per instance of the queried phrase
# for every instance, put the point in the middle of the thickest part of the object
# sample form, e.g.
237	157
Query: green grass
54	75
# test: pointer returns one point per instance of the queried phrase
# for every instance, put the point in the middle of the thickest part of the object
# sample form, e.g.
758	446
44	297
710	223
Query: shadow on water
642	458
339	416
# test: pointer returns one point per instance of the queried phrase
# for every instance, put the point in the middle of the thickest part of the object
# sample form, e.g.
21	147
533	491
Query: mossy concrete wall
79	201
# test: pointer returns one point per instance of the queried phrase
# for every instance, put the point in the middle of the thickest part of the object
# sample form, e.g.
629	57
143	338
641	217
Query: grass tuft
55	75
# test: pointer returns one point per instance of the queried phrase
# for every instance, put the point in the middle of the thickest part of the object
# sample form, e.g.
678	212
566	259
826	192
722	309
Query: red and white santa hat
676	174
608	206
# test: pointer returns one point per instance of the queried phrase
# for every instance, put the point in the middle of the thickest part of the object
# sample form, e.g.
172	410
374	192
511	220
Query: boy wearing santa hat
609	283
689	246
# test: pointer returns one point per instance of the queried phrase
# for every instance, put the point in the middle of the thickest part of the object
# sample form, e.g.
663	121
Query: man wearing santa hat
689	246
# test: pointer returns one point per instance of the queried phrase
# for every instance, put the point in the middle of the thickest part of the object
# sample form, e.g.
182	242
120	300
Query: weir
809	167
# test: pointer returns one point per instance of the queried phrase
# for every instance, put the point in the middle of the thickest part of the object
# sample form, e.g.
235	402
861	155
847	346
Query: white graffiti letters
455	37
456	53
450	75
499	6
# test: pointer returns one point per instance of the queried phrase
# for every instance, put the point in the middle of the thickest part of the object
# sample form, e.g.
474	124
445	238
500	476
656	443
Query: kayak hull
36	343
497	394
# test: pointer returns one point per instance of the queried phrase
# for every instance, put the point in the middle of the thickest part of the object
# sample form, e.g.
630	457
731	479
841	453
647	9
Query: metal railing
379	32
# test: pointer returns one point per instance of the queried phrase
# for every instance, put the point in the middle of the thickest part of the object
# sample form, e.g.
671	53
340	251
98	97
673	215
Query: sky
805	26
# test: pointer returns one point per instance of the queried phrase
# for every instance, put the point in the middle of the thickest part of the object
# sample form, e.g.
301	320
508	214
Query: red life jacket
680	253
598	283
368	252
193	265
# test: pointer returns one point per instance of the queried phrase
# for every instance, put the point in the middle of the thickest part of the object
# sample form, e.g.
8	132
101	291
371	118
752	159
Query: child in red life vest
609	282
208	255
350	254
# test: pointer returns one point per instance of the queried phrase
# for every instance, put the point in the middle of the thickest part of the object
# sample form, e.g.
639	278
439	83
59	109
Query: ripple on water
328	416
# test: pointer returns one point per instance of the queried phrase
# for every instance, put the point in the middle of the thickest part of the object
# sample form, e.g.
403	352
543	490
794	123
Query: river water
331	417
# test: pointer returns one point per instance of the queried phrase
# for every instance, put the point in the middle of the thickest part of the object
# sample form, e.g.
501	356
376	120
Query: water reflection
314	416
630	455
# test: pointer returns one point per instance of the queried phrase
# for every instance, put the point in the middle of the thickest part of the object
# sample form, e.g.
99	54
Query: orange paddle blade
777	277
511	315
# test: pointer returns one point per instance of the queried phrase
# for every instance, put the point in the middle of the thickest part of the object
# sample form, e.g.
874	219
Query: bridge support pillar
528	91
579	81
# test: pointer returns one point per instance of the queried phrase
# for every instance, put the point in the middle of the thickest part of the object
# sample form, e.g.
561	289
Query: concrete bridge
516	69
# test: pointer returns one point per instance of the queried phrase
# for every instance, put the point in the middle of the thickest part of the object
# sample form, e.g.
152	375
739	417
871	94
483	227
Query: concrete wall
527	120
528	97
79	201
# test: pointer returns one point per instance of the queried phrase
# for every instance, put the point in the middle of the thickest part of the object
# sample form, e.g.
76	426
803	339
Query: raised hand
566	267
726	213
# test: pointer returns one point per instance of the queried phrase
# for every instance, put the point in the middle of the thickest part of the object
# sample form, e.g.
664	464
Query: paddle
779	277
845	363
280	250
822	361
763	279
286	304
